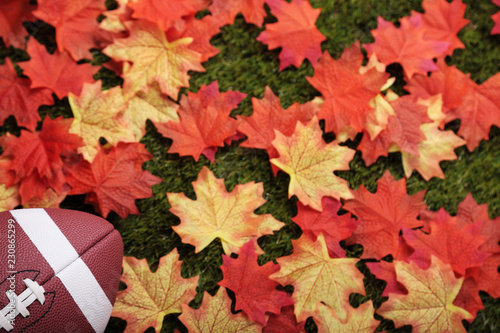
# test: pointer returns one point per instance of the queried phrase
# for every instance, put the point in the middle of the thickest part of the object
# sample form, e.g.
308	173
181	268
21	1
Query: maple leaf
219	214
310	163
255	293
360	320
99	114
114	180
496	18
204	122
346	88
151	296
49	199
385	271
214	315
267	116
225	11
113	22
318	278
470	212
201	31
9	197
381	215
152	105
453	246
448	81
334	227
437	146
295	32
489	277
18	100
468	297
285	322
58	72
442	21
12	15
406	45
405	115
428	307
38	155
166	13
153	59
77	29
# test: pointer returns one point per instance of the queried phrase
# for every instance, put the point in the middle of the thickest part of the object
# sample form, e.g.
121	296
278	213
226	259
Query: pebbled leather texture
99	250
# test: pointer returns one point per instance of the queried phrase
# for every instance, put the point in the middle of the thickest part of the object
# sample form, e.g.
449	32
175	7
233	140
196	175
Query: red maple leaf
201	31
455	246
478	106
346	91
268	115
334	227
255	293
114	180
12	15
406	45
18	100
295	32
226	10
166	13
442	21
403	130
384	270
36	157
77	29
58	72
381	215
285	322
496	18
468	297
448	81
204	122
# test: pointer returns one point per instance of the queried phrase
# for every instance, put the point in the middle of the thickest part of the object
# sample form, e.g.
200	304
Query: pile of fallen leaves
434	264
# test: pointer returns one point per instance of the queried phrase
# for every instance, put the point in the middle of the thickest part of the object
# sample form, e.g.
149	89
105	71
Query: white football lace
32	292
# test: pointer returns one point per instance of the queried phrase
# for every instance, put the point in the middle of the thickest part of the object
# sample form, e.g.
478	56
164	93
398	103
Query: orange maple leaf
153	59
347	89
438	145
57	71
9	197
77	29
310	163
406	45
167	13
218	214
226	10
204	123
360	320
214	316
382	215
12	15
151	296
428	306
295	32
318	278
99	114
442	21
268	115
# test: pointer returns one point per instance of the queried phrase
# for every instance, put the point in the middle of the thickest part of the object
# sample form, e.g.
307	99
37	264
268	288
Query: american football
60	271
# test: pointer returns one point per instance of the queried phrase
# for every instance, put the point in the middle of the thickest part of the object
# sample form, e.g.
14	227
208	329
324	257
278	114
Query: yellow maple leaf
152	105
214	316
310	163
318	278
360	320
98	114
438	145
9	197
153	59
428	306
218	214
151	296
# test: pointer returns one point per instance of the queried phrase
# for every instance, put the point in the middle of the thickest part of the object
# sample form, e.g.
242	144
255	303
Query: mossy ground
246	65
